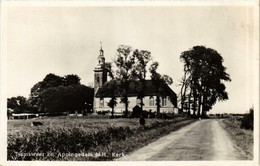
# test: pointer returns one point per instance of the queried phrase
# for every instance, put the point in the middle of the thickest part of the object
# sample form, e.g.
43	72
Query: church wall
120	107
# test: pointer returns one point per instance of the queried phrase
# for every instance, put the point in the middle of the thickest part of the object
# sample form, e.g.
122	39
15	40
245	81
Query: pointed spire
101	46
101	50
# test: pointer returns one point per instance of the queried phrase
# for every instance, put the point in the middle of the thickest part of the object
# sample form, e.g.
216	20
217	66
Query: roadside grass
244	139
83	138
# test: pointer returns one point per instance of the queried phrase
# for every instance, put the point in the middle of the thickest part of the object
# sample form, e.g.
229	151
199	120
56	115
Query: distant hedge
248	121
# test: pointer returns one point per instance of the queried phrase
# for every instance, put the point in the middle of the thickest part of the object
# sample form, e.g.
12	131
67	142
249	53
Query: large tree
124	68
66	99
159	82
143	57
206	75
110	89
40	91
49	81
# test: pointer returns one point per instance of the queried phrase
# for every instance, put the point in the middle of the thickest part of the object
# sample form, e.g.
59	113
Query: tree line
53	95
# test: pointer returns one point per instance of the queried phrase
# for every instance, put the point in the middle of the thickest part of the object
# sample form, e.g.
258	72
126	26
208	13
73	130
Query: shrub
165	116
137	112
248	120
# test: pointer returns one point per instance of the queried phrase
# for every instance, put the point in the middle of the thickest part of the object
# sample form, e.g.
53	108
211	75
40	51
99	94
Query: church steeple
101	52
100	75
101	58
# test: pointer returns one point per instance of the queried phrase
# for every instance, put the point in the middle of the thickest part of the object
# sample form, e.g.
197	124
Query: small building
168	101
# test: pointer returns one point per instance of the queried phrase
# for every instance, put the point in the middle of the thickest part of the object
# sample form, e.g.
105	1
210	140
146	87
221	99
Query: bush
137	112
248	120
165	115
102	112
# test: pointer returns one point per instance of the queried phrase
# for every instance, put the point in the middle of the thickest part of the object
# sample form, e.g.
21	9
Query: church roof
149	90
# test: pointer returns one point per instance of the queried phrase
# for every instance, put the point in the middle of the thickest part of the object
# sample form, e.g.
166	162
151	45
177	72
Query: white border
3	87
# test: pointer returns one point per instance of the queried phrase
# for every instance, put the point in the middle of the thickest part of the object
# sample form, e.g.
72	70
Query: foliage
159	82
124	63
131	70
18	104
137	112
110	88
71	80
57	94
66	98
203	78
248	120
51	80
143	57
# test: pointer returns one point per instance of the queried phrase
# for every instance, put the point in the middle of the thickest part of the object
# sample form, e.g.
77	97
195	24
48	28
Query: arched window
164	101
151	101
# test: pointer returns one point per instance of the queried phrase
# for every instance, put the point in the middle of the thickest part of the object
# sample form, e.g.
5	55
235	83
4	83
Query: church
102	75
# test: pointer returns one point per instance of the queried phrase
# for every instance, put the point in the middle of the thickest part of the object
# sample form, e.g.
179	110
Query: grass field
244	139
88	123
93	134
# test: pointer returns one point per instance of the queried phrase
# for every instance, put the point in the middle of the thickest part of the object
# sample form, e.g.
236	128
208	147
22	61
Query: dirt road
202	140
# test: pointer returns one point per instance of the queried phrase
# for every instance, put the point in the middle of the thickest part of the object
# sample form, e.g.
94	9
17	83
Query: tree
110	89
34	100
206	74
185	81
143	57
18	104
71	80
66	99
159	82
50	81
124	63
248	120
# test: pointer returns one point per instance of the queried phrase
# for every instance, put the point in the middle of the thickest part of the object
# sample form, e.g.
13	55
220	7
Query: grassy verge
76	143
244	139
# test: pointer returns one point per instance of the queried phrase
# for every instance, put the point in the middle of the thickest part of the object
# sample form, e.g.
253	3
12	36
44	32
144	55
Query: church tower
100	76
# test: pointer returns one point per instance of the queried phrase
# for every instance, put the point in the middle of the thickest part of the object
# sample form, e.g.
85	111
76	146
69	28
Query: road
202	140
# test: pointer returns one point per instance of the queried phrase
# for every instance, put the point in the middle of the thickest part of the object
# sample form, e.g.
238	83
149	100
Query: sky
66	40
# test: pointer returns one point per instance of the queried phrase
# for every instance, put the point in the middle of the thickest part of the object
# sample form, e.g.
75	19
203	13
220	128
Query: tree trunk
126	106
142	91
200	96
142	103
158	103
183	87
126	99
195	101
190	103
112	111
204	101
182	96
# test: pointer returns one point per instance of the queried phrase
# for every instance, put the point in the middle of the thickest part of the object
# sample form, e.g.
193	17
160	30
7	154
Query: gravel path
202	140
